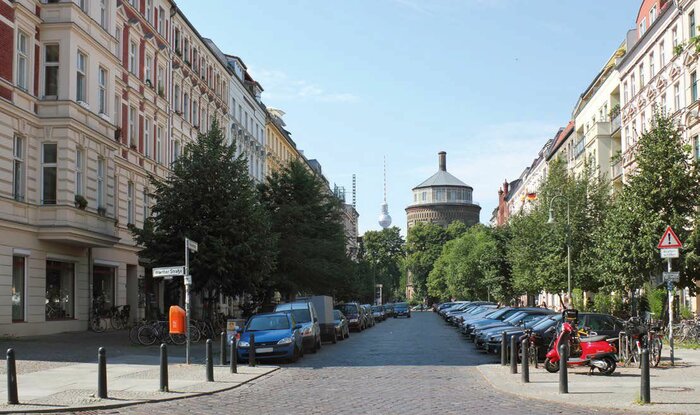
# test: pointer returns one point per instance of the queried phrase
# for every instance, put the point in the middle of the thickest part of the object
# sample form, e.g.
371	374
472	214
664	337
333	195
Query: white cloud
281	87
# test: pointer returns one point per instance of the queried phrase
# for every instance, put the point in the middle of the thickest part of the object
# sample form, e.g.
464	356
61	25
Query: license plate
264	350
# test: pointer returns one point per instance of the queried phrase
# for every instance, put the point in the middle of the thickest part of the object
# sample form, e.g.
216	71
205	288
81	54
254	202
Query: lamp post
568	237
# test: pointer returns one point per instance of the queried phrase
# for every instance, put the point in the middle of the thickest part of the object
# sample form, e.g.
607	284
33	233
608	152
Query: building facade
281	149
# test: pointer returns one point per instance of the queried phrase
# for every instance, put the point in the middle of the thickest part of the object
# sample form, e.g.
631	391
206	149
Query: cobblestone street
401	366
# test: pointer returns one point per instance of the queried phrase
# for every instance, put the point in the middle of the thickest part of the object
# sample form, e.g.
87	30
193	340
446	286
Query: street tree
211	199
384	251
306	217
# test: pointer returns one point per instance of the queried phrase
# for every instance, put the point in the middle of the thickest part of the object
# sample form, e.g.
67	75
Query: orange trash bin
176	320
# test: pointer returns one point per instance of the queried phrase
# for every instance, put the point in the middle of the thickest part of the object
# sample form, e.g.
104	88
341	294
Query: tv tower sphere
384	218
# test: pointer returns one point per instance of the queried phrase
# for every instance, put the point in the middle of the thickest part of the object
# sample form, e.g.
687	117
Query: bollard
234	356
12	398
524	361
513	355
563	369
163	367
251	350
504	350
645	393
209	362
222	359
102	373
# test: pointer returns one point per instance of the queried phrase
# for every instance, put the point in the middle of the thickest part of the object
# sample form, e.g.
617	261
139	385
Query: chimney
443	160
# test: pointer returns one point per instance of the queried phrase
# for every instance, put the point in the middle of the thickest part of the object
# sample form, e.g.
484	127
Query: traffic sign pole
670	313
187	303
669	245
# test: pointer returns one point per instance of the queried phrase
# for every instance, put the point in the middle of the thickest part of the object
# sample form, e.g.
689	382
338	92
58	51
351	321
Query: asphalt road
401	366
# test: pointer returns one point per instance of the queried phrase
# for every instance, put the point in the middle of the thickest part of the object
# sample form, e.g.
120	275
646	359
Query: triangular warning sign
669	240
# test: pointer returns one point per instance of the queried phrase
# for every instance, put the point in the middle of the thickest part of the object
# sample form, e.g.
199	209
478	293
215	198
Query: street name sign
192	245
669	240
168	271
671	276
669	253
188	280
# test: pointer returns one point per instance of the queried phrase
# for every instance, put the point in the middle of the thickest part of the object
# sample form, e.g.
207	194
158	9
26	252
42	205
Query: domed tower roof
442	177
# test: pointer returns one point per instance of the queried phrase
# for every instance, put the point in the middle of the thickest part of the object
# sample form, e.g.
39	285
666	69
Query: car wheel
295	356
335	337
347	333
318	347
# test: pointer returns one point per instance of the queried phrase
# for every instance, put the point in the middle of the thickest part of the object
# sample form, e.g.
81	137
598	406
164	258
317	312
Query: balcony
616	124
70	225
617	169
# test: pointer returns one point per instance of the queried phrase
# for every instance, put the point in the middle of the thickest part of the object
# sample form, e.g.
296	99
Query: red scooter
596	352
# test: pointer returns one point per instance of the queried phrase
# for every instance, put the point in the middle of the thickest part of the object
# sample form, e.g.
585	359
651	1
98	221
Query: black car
355	315
402	309
342	328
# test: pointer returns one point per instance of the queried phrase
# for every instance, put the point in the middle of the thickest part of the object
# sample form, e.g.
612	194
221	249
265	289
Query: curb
569	404
84	408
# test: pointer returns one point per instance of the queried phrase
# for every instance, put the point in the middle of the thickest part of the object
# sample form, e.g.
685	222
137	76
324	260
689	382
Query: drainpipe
90	282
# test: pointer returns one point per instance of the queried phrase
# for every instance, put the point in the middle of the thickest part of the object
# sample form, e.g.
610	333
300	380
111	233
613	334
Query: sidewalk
59	373
674	390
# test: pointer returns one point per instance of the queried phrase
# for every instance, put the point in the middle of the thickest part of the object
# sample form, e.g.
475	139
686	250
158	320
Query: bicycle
148	334
96	322
119	316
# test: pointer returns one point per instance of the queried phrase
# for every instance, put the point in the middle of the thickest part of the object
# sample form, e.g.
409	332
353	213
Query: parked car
389	309
355	315
521	315
368	315
420	307
277	336
472	313
305	314
519	320
323	305
342	329
401	309
378	313
495	317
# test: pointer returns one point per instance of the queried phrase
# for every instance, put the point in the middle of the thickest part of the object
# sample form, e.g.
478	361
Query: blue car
276	337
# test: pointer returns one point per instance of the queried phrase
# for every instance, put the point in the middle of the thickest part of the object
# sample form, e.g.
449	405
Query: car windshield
546	323
278	322
497	313
514	318
348	309
337	315
377	308
401	306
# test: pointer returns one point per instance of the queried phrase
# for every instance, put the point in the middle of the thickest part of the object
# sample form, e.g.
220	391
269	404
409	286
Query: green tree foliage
307	220
210	198
664	190
384	251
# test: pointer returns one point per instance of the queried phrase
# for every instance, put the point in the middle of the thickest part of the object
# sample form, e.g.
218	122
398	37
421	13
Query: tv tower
384	218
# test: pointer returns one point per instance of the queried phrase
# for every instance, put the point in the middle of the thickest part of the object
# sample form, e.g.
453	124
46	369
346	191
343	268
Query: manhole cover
672	389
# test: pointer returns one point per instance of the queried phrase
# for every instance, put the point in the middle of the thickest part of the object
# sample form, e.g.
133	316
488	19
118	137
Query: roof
442	178
560	138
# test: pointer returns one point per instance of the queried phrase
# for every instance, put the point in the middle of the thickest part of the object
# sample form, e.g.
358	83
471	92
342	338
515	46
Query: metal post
251	350
187	304
102	373
210	362
222	359
563	369
513	355
524	362
12	398
234	356
645	393
670	314
163	367
568	252
504	350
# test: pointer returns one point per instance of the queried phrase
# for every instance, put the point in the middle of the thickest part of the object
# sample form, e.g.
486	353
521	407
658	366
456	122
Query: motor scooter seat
593	338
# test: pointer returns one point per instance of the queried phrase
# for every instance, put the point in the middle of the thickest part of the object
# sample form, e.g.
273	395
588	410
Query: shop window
60	290
19	294
103	281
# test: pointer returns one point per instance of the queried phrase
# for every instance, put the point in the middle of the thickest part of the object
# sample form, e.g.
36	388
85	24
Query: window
694	86
100	183
18	169
674	36
118	36
161	81
195	113
633	82
48	178
149	70
176	150
81	88
652	15
159	144
676	97
19	276
644	122
641	76
625	97
177	98
103	282
104	14
130	203
22	60
663	104
696	147
651	65
132	57
79	174
60	291
643	27
84	5
102	90
662	54
186	102
132	127
146	205
149	11
147	136
691	23
51	70
161	21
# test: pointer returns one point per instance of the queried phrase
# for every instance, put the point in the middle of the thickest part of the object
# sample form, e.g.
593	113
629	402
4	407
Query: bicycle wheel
655	351
117	322
195	334
178	339
97	324
147	335
134	335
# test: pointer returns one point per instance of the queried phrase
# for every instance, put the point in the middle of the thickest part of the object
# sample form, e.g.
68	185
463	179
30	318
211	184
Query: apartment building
281	149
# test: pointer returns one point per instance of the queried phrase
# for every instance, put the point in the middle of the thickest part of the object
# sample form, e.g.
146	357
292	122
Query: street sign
168	271
669	253
188	280
672	276
669	240
191	245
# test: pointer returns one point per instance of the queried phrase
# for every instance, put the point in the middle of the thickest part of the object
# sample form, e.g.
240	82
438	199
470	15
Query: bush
687	313
656	298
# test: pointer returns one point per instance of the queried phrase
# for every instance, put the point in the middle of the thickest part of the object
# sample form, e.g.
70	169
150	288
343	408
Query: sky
487	81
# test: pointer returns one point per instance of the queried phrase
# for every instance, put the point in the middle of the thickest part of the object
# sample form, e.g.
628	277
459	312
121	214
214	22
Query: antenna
354	191
384	218
384	179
